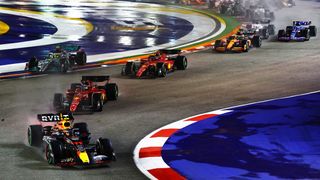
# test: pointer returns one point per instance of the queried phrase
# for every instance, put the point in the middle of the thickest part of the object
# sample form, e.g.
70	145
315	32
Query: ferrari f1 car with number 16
65	143
89	95
157	65
61	60
240	42
299	31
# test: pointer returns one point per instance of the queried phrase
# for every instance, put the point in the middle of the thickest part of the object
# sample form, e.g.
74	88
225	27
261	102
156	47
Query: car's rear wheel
313	31
104	147
129	69
58	100
35	135
257	41
181	62
81	58
112	91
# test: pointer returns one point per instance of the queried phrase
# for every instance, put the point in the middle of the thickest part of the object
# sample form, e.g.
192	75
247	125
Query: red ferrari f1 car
157	65
89	95
65	143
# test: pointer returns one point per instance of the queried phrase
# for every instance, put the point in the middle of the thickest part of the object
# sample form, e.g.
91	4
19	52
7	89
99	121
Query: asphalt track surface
213	81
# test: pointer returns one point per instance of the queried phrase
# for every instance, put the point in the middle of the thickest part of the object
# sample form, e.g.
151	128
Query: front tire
97	103
104	147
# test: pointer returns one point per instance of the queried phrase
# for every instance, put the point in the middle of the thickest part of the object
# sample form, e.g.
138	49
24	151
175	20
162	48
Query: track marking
4	28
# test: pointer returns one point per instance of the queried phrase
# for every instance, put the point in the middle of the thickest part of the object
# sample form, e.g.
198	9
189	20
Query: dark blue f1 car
299	31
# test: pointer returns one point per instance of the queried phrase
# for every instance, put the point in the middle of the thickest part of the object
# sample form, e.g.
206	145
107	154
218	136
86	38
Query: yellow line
89	27
4	28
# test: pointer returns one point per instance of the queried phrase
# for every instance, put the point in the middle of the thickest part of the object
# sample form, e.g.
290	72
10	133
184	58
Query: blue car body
299	31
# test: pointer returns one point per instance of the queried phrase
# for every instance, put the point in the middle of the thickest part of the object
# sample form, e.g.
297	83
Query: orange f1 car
157	65
238	43
89	95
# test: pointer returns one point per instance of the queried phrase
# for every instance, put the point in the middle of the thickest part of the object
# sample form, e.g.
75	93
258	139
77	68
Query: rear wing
170	51
54	117
301	23
95	78
71	48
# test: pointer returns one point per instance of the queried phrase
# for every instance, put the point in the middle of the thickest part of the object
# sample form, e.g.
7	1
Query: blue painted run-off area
269	140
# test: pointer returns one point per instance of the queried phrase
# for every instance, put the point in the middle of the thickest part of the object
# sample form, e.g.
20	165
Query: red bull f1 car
299	31
61	60
65	143
157	65
89	95
237	43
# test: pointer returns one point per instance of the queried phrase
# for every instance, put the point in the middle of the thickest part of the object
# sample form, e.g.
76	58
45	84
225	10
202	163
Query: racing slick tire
112	91
281	33
53	152
35	134
256	41
161	70
84	131
271	29
81	58
306	34
181	63
58	100
217	43
265	33
245	46
129	69
104	147
97	103
313	31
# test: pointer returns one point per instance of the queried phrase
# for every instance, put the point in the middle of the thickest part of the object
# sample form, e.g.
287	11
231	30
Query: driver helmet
63	125
58	49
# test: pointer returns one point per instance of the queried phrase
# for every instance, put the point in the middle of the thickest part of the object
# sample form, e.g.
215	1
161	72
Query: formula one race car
157	65
89	95
68	144
262	29
237	43
259	13
299	31
60	60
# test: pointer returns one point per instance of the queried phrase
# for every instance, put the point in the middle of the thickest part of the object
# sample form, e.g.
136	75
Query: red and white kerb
147	154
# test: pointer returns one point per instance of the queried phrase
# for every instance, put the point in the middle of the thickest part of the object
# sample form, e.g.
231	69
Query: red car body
157	65
90	95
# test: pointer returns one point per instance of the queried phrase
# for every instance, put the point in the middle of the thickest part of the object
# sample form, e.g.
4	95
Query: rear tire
313	31
81	58
271	29
112	91
104	147
181	62
58	100
130	68
256	41
35	135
